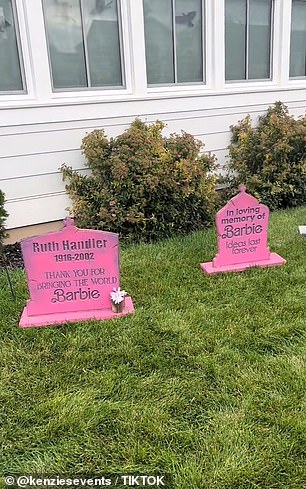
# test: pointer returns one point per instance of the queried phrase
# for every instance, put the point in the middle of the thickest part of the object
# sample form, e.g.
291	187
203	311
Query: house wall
41	130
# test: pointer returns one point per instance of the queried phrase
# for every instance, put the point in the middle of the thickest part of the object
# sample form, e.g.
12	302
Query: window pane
259	39
64	31
10	72
298	39
158	21
103	44
235	39
189	44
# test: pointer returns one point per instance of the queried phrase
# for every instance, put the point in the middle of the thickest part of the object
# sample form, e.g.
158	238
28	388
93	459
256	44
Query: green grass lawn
206	382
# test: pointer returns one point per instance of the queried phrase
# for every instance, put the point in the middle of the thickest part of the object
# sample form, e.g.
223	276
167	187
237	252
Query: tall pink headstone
71	274
242	227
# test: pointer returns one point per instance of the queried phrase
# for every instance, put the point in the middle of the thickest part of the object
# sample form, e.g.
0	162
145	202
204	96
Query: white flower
118	295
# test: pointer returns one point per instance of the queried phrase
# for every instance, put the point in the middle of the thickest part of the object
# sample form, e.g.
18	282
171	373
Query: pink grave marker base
71	317
273	261
242	228
71	274
56	267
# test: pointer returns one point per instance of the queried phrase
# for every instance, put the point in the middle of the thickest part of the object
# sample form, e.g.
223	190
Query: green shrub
270	158
143	185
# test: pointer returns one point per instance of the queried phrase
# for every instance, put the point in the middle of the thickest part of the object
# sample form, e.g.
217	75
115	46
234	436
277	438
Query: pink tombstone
71	274
242	227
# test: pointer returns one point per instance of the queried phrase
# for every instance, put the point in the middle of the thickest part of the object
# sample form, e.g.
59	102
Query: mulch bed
13	256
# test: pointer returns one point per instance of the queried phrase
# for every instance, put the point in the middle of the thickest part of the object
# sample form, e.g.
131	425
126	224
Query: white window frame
20	54
298	82
25	61
176	83
86	60
299	77
210	33
36	62
106	93
246	47
38	77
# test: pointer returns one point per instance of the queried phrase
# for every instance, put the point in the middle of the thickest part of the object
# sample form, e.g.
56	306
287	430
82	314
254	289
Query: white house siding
32	152
41	130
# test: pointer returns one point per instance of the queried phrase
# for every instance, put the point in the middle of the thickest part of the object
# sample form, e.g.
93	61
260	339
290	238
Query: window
11	69
174	40
298	39
84	43
248	38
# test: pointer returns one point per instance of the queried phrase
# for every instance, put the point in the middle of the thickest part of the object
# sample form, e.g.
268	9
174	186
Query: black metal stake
8	277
